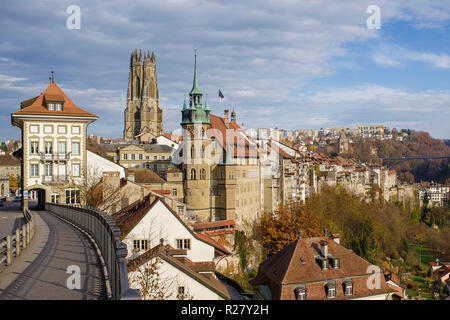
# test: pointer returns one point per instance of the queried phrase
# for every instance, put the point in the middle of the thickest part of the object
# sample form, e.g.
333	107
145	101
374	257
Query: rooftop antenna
53	80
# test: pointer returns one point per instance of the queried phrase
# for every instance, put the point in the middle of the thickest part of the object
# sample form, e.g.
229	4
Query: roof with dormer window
287	269
53	93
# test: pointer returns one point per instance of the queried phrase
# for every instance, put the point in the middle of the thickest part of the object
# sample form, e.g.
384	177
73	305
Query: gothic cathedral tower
143	114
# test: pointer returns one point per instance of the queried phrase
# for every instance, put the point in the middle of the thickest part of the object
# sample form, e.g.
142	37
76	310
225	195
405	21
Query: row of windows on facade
61	129
48	170
330	290
203	176
245	202
154	167
73	196
12	168
140	156
48	147
144	244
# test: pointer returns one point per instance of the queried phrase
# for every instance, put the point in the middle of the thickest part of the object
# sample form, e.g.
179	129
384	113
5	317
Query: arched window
203	152
202	174
193	174
192	152
203	132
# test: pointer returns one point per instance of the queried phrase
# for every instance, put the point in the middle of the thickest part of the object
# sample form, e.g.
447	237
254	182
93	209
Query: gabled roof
237	145
279	150
127	219
7	160
37	105
158	148
148	176
173	137
184	265
442	271
297	264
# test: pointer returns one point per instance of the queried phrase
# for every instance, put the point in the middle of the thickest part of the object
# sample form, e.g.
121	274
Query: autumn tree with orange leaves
282	228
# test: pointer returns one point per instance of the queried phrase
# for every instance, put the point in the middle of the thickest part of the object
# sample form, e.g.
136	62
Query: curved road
40	272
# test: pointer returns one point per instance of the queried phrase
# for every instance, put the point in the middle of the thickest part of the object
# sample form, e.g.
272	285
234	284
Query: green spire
195	89
184	105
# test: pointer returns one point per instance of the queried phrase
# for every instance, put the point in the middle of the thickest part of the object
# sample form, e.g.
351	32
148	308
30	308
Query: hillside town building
152	230
318	269
53	154
220	163
435	194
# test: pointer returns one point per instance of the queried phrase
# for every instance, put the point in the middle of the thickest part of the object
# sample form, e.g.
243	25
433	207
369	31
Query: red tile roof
239	145
174	137
212	224
37	106
297	264
7	160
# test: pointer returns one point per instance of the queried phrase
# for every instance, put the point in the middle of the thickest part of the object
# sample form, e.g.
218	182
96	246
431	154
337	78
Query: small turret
233	115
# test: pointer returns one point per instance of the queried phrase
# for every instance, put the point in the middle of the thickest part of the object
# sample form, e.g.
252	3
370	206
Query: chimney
226	118
299	234
336	237
324	248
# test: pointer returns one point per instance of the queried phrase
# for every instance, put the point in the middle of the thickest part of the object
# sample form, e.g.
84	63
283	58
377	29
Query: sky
286	64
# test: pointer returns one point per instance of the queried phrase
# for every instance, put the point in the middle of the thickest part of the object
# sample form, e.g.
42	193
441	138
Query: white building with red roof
53	155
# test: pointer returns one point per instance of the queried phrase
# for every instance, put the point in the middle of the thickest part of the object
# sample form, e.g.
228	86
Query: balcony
54	179
55	156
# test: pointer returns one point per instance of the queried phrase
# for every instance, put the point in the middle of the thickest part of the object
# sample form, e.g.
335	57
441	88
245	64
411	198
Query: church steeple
195	113
195	89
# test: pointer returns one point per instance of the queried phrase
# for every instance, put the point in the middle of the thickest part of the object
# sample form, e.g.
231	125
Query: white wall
159	223
166	141
96	165
173	278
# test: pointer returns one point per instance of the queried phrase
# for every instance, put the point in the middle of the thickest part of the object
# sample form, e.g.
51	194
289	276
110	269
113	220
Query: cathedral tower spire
142	114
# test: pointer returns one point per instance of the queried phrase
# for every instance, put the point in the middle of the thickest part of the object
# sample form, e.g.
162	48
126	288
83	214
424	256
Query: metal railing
54	156
12	245
106	235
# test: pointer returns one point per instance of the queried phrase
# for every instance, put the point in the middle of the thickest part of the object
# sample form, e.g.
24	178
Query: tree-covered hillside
414	143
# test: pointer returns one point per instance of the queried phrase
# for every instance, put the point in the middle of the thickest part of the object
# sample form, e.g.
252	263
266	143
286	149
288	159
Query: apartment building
155	157
53	155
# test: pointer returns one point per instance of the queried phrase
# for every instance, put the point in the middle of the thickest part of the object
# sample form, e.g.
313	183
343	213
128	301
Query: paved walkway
40	272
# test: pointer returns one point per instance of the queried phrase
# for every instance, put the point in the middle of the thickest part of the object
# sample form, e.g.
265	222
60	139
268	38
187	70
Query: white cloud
259	53
394	56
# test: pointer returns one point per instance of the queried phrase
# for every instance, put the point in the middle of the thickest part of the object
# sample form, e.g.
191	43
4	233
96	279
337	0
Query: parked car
17	198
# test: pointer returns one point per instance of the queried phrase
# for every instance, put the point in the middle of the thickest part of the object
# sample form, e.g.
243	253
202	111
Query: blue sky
285	63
